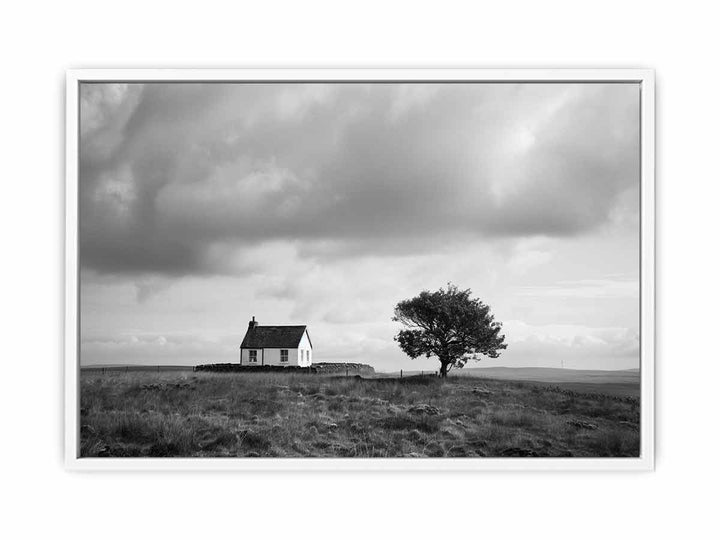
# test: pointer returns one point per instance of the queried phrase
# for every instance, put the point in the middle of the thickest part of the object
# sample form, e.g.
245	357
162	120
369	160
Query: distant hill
556	375
620	382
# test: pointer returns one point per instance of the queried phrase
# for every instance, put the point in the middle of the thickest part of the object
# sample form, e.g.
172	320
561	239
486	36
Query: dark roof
273	337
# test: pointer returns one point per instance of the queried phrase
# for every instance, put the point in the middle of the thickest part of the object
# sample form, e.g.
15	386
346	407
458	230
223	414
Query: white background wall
40	499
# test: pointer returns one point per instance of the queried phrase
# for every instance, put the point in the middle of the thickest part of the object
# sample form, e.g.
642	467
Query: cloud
155	349
587	288
180	179
550	345
571	345
149	287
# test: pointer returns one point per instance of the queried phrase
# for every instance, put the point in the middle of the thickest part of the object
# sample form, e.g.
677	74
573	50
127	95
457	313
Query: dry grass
268	414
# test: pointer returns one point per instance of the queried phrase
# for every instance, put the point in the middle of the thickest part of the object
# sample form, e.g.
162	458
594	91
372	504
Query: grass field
266	414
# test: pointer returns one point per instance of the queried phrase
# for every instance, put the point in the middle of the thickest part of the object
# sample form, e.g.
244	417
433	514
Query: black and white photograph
315	270
416	270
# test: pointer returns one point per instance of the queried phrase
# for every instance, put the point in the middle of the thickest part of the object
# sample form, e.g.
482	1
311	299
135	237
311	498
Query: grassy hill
294	415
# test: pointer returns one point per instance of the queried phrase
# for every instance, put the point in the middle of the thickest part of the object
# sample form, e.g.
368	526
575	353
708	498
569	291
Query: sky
203	205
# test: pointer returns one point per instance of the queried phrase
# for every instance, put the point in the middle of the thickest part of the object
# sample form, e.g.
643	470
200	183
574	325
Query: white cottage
276	346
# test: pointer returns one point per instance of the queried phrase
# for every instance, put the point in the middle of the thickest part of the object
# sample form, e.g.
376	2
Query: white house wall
305	346
245	360
271	357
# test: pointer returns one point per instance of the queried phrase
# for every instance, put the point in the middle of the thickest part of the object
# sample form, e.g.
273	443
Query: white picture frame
644	462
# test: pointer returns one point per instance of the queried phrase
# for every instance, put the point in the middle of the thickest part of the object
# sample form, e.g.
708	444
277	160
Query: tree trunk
443	369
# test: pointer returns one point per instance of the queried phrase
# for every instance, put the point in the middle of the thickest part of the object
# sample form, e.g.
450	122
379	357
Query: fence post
422	373
401	373
346	371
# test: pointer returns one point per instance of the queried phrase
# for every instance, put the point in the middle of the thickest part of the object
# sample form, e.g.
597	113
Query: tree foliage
450	325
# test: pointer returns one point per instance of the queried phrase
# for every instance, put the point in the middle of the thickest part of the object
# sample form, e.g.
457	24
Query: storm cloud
202	205
184	179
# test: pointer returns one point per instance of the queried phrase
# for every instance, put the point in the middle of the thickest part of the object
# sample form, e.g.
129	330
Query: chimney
253	323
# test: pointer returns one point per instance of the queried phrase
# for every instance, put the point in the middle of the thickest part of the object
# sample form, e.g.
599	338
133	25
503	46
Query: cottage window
283	355
253	356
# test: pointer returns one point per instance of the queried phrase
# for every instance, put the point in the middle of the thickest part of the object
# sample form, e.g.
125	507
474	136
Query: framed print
360	269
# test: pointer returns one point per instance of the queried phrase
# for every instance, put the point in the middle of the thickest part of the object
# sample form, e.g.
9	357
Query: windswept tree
450	325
